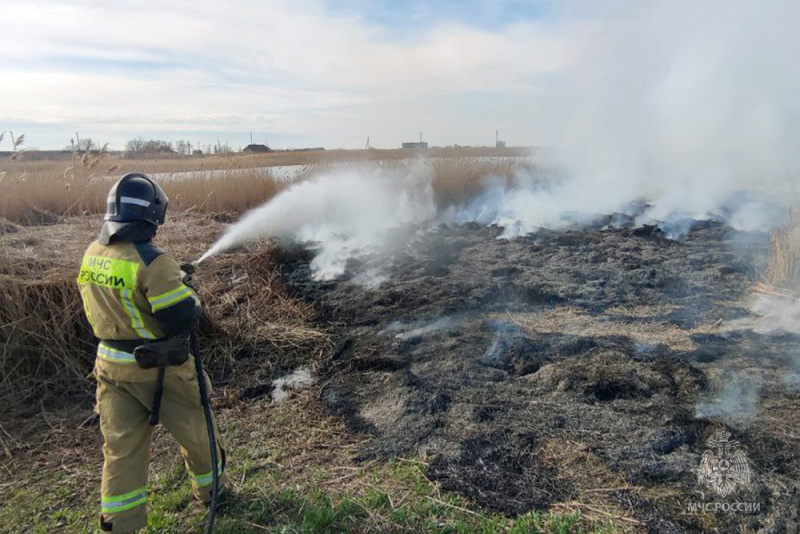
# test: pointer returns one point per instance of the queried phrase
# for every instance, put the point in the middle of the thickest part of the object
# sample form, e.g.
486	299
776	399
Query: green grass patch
293	471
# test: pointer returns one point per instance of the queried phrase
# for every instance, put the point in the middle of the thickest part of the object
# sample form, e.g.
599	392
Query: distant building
197	152
256	149
417	145
500	144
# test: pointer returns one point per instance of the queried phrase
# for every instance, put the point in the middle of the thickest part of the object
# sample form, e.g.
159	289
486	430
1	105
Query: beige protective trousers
124	408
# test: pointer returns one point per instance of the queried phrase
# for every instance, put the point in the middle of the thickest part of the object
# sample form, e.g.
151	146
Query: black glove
187	272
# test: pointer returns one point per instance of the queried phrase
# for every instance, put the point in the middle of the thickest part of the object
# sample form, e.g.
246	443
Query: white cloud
672	84
183	65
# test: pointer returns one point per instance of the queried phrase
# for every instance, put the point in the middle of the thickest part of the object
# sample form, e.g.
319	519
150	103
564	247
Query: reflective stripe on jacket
123	285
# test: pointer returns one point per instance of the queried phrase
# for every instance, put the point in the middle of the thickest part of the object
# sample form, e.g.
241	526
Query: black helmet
137	198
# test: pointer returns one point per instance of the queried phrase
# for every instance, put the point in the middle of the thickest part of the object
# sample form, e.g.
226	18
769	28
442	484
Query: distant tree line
140	146
149	147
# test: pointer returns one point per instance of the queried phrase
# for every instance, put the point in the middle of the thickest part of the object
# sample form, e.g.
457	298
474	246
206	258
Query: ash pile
588	369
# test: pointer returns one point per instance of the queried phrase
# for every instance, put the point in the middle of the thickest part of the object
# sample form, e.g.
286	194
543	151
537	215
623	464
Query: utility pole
251	138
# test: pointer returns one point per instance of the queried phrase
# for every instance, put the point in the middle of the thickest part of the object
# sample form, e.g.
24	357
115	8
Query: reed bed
42	192
456	181
783	267
252	329
32	199
46	343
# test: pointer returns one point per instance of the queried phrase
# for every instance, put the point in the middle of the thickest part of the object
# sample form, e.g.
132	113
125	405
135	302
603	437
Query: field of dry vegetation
34	192
48	215
255	329
294	467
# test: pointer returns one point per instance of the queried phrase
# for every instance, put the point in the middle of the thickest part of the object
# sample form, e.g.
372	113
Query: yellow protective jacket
133	292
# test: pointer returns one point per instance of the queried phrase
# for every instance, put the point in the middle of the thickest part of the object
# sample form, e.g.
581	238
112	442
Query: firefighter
136	300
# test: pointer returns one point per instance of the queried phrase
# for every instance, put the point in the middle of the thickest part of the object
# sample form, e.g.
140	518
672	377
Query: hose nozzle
189	267
187	272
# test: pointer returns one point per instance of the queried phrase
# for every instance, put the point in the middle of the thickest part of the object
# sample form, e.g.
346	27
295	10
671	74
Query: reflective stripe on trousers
205	479
119	503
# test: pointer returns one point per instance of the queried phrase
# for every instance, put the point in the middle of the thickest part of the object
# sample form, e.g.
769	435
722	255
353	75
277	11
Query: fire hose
212	438
194	346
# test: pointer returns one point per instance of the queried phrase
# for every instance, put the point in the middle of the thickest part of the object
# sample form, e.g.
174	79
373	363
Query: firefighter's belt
171	351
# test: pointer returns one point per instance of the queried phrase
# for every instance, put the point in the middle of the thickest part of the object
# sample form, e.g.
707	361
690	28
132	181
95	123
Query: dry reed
43	192
458	180
45	341
783	267
253	328
38	198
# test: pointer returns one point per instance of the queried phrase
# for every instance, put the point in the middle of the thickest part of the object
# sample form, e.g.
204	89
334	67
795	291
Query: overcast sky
705	76
295	73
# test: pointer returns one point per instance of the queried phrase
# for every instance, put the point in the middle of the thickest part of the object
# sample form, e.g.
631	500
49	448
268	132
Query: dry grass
783	268
638	325
459	180
36	192
46	344
254	329
599	491
38	197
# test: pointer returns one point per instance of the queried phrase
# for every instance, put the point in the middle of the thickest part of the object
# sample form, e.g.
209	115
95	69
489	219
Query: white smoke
346	212
420	329
737	401
684	105
738	398
680	103
299	379
773	314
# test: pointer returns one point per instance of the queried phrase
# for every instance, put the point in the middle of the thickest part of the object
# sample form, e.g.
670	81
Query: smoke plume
682	104
345	212
736	402
670	111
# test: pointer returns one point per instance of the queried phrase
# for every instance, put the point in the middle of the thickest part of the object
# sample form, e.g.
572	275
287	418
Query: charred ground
577	370
567	369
